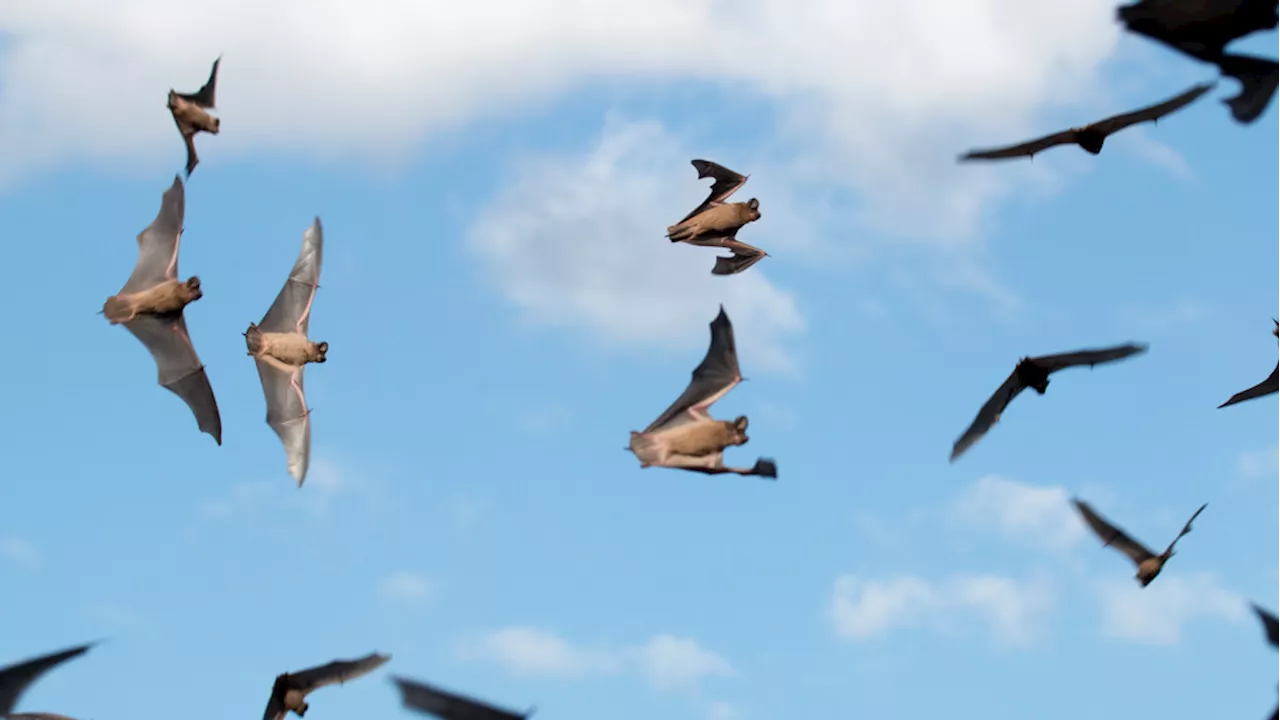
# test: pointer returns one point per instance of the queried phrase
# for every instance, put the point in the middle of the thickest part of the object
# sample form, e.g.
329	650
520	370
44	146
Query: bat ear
741	423
754	204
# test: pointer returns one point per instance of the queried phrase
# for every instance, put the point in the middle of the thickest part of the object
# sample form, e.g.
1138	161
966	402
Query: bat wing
1090	357
1112	535
448	706
1151	113
189	139
1029	148
205	97
1186	528
726	183
337	672
1258	80
1267	387
736	263
15	679
1268	623
714	377
989	415
287	412
36	716
180	368
291	312
158	243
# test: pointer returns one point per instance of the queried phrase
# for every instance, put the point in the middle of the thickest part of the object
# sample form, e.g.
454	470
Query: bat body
151	306
715	223
1091	137
449	706
685	436
15	679
1033	372
191	114
290	690
1270	386
281	350
1149	564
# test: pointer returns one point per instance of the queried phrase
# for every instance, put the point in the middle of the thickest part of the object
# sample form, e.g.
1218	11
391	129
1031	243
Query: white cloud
578	242
1041	515
721	710
667	661
325	483
1157	613
1263	463
407	588
864	608
876	96
19	551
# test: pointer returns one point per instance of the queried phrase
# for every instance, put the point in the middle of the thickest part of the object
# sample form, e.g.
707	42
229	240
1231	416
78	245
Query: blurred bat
289	693
191	114
715	223
15	679
449	706
1149	564
1267	387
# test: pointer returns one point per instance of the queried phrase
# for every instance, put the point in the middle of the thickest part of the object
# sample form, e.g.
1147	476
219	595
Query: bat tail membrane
117	310
253	339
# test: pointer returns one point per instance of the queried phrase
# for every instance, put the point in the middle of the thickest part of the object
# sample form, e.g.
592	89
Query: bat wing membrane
180	369
205	97
1267	387
1029	148
1090	357
1112	535
291	311
988	415
158	243
337	672
726	183
1268	623
15	679
287	412
447	705
1151	113
714	377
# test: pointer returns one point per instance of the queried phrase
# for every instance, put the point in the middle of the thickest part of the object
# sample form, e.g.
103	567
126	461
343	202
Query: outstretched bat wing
287	412
714	377
180	368
1268	622
291	312
189	139
736	263
1267	387
726	183
336	672
1258	80
764	467
158	243
15	679
989	415
1029	148
1198	28
205	97
1186	528
1090	357
1112	535
449	706
1151	113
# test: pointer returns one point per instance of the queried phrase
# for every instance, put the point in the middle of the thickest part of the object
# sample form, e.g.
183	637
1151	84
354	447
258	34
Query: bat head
753	205
192	289
1032	375
321	349
217	124
740	430
173	100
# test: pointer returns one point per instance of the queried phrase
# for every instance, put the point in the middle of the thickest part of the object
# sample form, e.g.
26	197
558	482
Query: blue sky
502	309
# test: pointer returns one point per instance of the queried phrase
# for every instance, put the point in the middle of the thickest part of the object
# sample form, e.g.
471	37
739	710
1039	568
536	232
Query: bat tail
253	339
117	310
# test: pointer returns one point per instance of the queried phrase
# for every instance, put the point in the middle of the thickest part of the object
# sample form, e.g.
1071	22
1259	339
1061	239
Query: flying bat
1149	564
1258	79
281	350
715	223
1199	28
15	679
191	114
1269	627
291	689
1267	387
151	304
1092	136
1033	372
450	706
685	436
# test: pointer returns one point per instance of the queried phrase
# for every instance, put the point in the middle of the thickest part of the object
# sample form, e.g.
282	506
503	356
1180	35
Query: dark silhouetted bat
151	303
715	223
1033	372
1199	28
1149	564
190	114
1258	80
289	693
281	350
1092	136
685	436
1268	623
449	706
1267	387
15	679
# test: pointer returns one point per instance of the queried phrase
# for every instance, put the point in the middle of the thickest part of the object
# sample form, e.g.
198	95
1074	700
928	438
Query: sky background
494	181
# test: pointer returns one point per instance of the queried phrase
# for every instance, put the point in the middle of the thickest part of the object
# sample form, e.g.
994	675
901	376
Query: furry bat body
151	306
1149	564
450	706
281	350
15	679
1033	372
715	223
290	690
1091	137
685	436
191	114
1270	386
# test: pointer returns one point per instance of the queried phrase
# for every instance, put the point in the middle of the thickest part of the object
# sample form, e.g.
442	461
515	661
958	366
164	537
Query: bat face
753	205
1032	375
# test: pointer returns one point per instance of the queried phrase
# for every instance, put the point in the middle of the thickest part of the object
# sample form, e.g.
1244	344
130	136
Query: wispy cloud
1140	142
1260	463
406	588
1040	515
1156	614
20	552
1168	316
669	662
325	485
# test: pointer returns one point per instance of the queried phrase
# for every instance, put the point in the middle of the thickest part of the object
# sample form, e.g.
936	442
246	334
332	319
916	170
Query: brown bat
1033	372
685	436
289	693
1092	136
191	114
450	706
151	305
15	679
1149	564
1267	387
715	223
281	350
